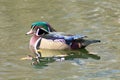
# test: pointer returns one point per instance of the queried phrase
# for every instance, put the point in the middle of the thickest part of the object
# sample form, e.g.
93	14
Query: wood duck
46	37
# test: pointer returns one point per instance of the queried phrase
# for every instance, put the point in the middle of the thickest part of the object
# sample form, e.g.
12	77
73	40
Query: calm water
98	19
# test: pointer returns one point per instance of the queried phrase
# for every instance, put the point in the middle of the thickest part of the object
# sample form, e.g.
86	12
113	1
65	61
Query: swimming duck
46	37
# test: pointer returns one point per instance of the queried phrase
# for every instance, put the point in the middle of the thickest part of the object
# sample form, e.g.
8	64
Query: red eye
35	28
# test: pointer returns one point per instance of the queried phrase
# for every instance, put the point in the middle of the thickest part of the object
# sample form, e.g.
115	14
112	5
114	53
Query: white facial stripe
44	29
33	27
48	29
37	32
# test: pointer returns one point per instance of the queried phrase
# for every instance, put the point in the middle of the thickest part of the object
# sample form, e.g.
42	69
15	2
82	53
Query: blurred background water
98	19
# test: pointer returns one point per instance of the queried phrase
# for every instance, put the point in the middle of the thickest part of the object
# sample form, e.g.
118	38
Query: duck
46	37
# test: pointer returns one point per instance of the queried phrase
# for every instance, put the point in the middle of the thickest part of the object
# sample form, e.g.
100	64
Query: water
98	19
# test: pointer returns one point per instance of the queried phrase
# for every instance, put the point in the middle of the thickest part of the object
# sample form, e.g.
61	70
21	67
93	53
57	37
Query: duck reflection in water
49	56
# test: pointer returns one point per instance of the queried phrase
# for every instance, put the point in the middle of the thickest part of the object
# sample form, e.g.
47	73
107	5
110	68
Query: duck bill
30	32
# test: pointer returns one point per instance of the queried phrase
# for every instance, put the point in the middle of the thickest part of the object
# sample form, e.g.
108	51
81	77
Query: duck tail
88	42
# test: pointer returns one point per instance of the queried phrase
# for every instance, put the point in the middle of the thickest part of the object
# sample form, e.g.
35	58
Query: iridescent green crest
42	25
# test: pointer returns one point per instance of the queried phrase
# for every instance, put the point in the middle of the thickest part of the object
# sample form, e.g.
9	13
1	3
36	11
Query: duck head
40	28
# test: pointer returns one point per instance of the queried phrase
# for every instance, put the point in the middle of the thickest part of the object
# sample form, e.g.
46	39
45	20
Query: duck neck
33	39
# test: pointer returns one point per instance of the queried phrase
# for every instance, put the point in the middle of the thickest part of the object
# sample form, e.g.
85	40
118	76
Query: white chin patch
37	32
